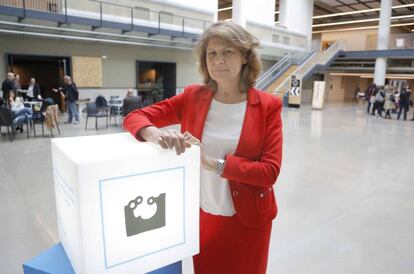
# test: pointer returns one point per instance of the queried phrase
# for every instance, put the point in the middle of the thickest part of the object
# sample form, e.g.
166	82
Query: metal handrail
271	69
280	67
311	61
265	82
159	13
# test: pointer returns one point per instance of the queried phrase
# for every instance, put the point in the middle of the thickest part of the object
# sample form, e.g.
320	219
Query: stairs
280	80
274	76
321	58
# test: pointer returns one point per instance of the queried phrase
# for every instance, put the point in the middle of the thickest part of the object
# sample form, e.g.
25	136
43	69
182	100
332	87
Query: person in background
18	109
368	94
16	82
356	93
389	104
131	102
404	103
71	93
378	101
33	91
7	86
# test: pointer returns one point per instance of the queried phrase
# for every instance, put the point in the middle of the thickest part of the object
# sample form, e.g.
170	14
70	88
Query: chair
6	117
52	118
114	107
39	117
147	101
131	103
92	111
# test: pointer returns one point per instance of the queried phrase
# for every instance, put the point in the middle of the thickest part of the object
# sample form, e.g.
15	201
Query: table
33	104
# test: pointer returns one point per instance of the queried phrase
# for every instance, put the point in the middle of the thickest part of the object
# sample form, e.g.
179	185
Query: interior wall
266	65
356	39
335	89
118	69
342	88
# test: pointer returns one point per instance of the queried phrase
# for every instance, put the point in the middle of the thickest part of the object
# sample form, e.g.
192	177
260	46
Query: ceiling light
224	9
371	75
361	28
361	21
359	11
345	22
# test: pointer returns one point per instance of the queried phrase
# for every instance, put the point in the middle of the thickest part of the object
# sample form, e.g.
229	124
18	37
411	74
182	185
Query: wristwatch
220	166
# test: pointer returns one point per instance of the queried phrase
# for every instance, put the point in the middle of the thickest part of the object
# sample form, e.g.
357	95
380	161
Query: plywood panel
87	71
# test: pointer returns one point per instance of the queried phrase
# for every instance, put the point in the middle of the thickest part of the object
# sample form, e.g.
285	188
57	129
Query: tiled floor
345	195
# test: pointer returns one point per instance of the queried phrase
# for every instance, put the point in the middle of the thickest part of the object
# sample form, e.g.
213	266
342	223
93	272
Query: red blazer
253	168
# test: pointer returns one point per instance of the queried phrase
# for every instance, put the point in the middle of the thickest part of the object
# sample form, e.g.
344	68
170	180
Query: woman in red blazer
239	130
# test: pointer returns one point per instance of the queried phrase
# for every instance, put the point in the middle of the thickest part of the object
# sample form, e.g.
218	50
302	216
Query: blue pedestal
55	261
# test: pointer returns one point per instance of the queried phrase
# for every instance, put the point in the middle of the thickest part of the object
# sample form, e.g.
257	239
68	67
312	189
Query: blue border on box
102	218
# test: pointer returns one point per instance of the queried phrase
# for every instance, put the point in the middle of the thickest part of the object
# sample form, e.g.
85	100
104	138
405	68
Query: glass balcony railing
119	16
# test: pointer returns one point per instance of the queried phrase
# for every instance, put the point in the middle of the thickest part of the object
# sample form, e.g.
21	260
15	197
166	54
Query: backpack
101	102
379	98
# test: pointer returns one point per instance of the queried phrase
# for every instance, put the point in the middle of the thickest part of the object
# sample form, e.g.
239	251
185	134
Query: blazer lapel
246	143
201	113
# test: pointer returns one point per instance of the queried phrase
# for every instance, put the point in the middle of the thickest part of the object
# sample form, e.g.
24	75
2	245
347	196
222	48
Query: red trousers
228	247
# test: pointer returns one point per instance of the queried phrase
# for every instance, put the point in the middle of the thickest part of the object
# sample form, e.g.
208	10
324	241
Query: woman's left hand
206	161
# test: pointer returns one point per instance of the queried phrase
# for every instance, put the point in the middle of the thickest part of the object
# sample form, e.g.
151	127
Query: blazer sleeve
164	113
265	171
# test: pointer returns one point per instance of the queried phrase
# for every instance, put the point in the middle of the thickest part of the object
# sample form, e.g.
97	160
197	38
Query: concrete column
296	16
261	11
382	42
239	12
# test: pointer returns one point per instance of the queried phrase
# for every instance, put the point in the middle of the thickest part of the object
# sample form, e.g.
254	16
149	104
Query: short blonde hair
239	38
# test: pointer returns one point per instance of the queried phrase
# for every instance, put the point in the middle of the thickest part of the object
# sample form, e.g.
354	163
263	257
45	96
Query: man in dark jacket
131	102
33	91
368	93
404	103
7	86
71	93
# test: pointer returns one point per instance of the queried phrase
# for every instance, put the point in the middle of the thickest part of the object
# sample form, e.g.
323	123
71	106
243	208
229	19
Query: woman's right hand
167	139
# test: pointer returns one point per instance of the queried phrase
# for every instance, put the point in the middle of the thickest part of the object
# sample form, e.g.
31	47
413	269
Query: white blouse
220	137
30	91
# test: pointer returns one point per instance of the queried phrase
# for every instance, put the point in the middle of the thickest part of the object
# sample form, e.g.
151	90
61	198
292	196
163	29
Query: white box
318	94
124	206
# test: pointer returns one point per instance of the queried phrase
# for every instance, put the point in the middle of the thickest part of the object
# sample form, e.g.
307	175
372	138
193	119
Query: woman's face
224	61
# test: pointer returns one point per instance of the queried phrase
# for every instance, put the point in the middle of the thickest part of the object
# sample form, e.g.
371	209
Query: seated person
131	102
33	91
19	111
2	103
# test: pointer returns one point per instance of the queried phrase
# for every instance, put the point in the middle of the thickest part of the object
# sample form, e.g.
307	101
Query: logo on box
138	224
